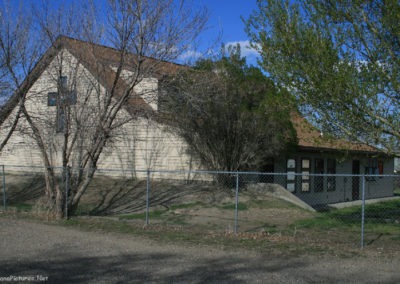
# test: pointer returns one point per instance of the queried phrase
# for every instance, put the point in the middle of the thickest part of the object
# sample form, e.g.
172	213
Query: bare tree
19	52
94	84
231	116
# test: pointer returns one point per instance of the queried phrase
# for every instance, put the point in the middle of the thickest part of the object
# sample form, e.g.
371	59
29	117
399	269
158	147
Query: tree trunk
59	205
54	203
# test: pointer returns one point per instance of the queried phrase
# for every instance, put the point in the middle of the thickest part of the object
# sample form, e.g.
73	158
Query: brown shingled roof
108	56
310	138
99	59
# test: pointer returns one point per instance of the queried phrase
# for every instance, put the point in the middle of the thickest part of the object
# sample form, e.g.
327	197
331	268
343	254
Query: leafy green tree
231	115
340	59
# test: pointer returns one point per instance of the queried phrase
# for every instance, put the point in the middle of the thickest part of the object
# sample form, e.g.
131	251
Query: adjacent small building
327	170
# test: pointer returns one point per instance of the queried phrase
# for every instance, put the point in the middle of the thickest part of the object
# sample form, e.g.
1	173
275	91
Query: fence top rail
210	172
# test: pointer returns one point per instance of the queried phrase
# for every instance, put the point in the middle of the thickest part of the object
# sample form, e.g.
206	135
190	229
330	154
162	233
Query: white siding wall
137	145
378	187
147	88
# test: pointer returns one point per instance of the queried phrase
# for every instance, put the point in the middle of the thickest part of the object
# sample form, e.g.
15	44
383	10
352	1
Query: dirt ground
200	207
67	255
118	197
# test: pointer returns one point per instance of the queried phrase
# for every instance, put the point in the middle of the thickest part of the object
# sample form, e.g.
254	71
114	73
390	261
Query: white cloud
245	48
190	54
246	51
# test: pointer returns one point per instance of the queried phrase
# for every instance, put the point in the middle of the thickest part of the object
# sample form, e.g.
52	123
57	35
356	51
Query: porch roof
310	138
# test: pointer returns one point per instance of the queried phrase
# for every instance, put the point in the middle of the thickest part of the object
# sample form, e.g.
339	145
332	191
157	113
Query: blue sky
225	17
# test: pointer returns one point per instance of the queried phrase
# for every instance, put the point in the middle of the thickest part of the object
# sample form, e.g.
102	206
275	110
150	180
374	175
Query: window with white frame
374	167
291	175
305	174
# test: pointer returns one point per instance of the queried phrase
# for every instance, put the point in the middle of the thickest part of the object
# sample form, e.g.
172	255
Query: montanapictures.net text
34	278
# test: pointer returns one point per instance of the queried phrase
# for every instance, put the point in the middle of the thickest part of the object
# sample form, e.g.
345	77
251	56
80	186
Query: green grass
187	205
22	207
380	217
312	228
387	212
232	206
152	214
271	228
396	237
321	230
70	222
84	209
172	235
180	222
323	221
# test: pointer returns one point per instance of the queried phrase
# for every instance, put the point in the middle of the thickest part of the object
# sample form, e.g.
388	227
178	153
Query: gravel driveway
67	255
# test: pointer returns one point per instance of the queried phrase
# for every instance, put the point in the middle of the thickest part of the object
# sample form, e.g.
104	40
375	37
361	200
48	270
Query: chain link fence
355	210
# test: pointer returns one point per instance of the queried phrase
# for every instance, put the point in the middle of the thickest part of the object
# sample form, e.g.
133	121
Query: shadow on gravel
142	268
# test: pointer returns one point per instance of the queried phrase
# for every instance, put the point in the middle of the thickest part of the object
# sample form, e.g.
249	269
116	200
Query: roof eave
335	150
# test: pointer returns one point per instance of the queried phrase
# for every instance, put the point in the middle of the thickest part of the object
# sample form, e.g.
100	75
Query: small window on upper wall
52	99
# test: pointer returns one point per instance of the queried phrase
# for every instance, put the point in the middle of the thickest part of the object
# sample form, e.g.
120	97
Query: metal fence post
236	203
362	211
147	196
67	175
4	187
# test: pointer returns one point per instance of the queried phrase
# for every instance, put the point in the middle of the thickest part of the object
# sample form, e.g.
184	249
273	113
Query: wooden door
356	180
